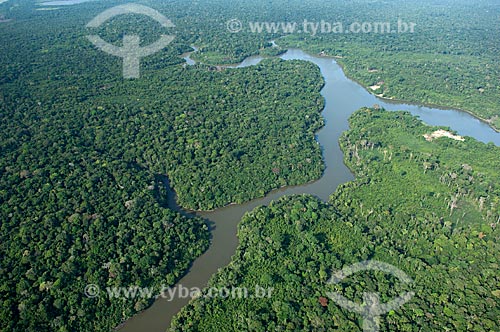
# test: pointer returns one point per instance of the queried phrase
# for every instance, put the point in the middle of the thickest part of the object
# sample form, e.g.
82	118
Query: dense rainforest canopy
85	156
430	208
451	59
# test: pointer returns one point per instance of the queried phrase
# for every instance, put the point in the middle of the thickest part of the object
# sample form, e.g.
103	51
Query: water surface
342	97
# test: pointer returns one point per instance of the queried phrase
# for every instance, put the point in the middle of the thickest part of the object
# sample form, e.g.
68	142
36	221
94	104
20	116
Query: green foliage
82	198
75	218
195	124
84	153
396	211
450	60
234	127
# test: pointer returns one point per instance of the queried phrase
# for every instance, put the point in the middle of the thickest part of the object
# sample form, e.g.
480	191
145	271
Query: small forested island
431	208
232	126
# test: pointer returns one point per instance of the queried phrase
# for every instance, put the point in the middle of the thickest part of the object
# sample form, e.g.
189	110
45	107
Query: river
342	97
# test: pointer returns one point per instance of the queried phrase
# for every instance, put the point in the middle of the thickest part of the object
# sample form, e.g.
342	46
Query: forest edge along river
342	97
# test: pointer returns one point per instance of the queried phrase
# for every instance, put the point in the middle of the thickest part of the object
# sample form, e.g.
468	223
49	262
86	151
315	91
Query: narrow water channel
342	97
